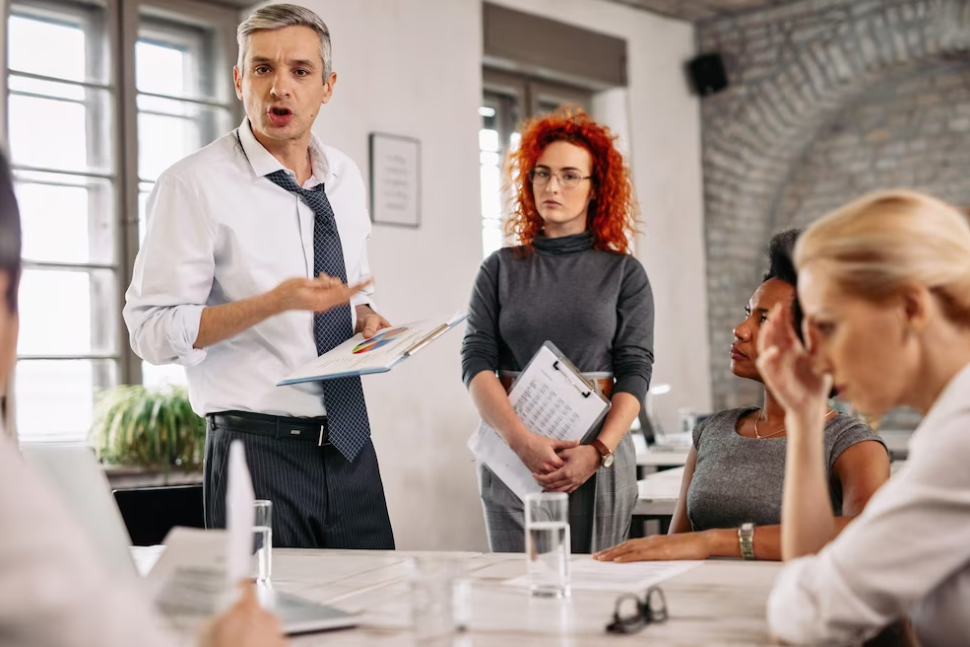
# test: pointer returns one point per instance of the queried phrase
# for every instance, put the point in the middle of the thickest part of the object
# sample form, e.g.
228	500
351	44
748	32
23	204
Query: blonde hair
874	245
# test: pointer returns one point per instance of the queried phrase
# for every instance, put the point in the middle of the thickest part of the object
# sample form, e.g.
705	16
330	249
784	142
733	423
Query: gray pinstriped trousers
505	515
320	499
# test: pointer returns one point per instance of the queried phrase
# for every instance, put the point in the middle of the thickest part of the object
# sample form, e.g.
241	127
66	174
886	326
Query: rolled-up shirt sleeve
172	277
633	340
360	271
363	297
911	538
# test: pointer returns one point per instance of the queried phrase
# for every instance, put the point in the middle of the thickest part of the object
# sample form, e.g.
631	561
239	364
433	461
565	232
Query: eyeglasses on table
633	612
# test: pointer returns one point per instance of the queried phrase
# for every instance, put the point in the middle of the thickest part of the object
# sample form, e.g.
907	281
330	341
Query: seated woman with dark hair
731	494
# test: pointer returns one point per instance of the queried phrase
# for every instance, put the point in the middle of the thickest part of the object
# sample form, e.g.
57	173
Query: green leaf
148	427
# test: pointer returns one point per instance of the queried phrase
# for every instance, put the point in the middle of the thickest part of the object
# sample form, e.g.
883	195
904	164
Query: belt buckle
320	440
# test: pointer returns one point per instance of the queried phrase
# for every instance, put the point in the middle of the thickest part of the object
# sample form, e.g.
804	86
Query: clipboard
553	399
378	354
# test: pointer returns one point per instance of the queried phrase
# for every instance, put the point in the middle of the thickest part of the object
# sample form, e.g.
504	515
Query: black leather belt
313	429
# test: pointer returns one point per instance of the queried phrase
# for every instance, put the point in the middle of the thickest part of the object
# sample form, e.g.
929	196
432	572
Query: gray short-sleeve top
739	479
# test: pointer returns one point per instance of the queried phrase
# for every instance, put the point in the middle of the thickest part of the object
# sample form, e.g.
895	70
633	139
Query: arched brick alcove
794	70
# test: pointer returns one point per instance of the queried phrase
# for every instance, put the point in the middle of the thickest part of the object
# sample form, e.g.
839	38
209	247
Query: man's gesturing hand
319	294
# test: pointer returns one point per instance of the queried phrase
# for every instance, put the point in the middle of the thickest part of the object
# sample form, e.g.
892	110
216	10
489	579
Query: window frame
99	77
223	23
516	97
112	41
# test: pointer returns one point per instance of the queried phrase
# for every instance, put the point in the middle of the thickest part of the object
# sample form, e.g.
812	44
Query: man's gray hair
278	16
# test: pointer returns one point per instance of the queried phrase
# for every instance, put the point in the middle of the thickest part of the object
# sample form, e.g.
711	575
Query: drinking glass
439	592
547	543
262	560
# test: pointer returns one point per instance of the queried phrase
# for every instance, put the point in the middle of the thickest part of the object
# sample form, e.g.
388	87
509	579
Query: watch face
608	460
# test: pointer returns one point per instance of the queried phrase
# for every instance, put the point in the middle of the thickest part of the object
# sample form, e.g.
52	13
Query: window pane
67	313
55	398
30	48
164	140
59	134
167	106
548	106
162	69
154	376
489	159
488	140
491	239
491	192
48	88
66	219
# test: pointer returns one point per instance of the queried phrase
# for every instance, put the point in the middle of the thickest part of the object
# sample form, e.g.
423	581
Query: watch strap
601	448
746	540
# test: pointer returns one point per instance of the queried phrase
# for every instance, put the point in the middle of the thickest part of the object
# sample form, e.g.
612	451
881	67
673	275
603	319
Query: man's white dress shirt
219	231
53	590
908	553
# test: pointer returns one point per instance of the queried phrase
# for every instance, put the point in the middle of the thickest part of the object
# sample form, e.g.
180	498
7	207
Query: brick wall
828	99
911	130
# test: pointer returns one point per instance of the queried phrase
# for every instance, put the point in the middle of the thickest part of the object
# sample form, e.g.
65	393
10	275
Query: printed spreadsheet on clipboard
551	398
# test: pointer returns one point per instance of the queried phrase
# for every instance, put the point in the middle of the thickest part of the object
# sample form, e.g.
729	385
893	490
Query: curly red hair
612	214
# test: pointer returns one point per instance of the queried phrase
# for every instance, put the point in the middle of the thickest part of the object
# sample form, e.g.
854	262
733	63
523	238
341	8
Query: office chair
149	513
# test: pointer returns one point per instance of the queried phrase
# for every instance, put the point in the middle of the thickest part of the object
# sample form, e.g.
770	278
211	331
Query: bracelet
746	539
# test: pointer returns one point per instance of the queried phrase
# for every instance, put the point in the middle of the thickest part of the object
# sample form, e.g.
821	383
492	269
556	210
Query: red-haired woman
572	281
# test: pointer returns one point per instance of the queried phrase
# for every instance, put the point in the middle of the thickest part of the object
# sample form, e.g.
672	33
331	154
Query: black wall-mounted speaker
707	74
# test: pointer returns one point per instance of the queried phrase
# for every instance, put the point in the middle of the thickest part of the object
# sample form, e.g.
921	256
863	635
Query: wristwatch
606	456
746	537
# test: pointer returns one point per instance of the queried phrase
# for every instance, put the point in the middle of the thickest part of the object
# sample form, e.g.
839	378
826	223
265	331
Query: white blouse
53	592
907	554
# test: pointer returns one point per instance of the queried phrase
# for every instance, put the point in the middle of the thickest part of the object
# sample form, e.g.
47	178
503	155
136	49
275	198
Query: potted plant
152	428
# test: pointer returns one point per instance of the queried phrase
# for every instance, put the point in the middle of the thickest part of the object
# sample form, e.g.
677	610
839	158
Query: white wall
413	67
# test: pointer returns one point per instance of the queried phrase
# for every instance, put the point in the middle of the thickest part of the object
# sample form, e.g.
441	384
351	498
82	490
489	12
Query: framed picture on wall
395	180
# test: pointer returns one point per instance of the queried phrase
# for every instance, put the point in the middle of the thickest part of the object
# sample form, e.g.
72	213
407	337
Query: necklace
775	433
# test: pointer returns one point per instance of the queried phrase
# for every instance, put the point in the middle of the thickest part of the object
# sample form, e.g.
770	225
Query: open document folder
379	354
552	399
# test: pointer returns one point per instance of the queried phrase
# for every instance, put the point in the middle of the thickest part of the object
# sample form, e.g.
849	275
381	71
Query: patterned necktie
347	422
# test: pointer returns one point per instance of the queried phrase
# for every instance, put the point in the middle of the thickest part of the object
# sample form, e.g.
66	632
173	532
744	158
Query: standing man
254	263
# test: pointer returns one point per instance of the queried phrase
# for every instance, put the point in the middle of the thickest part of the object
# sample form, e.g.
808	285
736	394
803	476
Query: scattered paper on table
189	578
591	575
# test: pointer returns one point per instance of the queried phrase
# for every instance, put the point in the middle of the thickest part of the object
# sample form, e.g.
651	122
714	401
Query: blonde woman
885	287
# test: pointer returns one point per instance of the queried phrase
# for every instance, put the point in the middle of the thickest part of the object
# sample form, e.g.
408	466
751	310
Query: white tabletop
721	601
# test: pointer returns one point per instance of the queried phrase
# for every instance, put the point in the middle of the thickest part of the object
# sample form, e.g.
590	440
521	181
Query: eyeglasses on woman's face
568	179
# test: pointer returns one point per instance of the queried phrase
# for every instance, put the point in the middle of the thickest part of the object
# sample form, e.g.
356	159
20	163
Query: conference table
719	602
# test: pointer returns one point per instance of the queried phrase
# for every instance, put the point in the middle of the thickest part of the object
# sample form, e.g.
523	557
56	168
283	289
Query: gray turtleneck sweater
596	307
